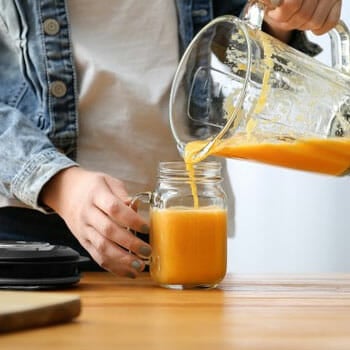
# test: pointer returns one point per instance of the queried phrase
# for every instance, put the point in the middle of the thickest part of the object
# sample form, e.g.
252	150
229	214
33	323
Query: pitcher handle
253	14
340	47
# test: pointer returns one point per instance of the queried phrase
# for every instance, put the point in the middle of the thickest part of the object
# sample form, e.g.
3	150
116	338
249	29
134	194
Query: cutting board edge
41	316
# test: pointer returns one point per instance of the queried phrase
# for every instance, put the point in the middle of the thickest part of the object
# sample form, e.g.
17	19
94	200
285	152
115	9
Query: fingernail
130	275
145	251
144	229
136	265
276	3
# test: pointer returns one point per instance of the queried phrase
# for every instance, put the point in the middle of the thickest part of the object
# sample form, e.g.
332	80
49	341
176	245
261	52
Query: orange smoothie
188	245
327	156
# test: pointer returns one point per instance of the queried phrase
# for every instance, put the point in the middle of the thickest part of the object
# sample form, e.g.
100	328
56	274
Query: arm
94	205
28	159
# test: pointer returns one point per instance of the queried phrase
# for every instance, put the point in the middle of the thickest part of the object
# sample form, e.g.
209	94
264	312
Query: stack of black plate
38	265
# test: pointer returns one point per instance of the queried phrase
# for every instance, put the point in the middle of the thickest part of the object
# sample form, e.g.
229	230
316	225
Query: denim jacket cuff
35	173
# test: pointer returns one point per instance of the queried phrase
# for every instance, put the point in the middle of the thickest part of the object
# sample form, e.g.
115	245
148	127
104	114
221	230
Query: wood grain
270	312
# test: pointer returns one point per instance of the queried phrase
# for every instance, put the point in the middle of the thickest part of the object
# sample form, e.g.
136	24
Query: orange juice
188	245
328	155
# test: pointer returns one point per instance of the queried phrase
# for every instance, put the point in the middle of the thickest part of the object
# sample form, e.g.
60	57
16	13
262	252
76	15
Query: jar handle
144	197
253	13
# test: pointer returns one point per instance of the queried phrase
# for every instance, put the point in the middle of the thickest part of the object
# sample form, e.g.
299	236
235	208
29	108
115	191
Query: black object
38	265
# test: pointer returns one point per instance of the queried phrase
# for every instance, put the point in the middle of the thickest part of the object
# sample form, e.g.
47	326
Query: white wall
286	220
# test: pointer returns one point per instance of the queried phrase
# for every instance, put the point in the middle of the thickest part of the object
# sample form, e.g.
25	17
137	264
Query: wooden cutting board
27	309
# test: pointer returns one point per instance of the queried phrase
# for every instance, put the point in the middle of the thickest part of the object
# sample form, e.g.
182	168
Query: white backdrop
289	221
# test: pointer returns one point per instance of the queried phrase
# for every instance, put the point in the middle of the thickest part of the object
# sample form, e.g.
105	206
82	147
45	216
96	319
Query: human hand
95	208
318	16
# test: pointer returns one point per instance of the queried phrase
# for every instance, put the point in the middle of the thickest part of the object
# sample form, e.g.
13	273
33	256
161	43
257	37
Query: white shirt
126	54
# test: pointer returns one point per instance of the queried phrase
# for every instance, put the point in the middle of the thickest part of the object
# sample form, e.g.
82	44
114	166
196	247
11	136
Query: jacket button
58	88
51	26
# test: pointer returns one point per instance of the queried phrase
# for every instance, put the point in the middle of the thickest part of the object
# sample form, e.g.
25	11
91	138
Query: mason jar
188	225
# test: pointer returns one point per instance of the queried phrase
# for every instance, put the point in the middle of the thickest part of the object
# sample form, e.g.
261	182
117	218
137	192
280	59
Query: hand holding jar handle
95	206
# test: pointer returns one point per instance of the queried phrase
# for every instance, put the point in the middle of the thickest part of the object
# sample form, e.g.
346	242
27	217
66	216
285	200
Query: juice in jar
188	246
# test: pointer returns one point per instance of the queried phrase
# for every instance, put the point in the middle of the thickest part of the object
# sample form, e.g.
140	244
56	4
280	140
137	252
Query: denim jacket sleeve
38	126
28	159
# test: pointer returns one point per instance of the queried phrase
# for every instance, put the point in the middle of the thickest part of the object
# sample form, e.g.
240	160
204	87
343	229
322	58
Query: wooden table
245	312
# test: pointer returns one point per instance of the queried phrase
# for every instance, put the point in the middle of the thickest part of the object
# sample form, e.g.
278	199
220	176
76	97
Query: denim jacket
38	93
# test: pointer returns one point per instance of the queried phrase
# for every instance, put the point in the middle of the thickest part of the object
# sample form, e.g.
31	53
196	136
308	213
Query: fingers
304	15
117	188
271	4
329	21
318	16
95	208
110	256
113	232
111	203
275	3
112	245
286	11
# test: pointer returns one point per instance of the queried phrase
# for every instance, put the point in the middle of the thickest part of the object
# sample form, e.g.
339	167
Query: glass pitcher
238	92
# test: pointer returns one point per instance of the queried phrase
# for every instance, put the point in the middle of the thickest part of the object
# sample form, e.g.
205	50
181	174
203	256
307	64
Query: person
68	180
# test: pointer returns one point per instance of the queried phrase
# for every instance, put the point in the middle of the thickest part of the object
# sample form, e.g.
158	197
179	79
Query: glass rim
202	171
214	164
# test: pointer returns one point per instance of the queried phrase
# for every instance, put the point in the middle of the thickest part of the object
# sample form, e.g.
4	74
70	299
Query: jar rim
202	171
181	165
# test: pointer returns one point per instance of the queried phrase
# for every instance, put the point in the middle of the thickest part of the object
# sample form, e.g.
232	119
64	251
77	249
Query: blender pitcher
238	92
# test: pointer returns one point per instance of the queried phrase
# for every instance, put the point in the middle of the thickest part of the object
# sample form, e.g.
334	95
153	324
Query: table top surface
245	312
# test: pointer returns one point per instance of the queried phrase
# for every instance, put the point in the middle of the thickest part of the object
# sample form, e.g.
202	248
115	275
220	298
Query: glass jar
188	226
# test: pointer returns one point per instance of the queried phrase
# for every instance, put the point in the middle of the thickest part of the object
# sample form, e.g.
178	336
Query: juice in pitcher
328	156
